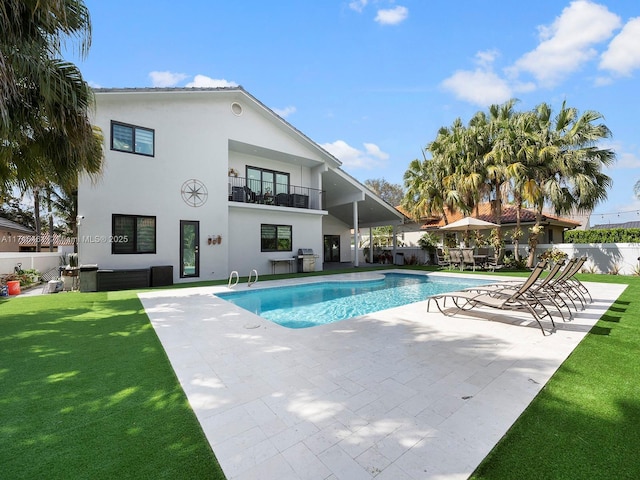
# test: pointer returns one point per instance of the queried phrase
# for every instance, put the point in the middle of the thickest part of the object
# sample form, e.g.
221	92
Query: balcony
276	194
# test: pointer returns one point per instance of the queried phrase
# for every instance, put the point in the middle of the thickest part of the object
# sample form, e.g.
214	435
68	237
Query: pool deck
398	394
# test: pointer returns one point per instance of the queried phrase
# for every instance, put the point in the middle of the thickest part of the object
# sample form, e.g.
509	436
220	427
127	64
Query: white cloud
392	16
202	81
568	43
602	81
166	79
627	160
352	158
374	150
481	86
486	58
286	111
623	54
358	5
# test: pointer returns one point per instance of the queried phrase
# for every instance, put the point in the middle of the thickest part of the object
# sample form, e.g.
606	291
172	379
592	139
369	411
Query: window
133	234
132	139
262	181
275	238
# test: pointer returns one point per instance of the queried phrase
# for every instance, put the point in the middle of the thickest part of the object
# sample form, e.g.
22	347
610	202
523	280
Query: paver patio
397	394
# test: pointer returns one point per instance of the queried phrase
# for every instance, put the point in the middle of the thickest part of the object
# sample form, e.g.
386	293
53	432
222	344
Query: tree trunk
516	241
36	214
534	237
50	208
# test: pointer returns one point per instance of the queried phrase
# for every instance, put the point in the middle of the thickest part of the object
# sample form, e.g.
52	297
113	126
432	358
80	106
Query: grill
306	260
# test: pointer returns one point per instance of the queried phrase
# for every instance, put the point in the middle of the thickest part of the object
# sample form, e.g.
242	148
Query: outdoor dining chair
468	259
455	257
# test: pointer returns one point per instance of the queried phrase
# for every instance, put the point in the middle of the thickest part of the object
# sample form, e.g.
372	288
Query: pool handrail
249	282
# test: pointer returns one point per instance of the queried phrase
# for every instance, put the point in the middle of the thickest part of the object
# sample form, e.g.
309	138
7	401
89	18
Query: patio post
356	260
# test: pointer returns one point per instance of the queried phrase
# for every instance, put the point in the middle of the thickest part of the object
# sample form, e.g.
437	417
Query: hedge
606	235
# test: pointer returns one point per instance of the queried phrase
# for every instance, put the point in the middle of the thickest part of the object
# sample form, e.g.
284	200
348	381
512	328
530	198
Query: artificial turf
88	392
585	423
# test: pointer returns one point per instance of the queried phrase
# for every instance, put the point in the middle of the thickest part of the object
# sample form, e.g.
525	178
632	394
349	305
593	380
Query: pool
309	305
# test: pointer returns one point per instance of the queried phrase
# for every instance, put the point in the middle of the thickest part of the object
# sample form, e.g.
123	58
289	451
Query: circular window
236	108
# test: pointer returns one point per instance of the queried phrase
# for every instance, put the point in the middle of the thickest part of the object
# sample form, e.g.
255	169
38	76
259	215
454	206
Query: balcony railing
269	193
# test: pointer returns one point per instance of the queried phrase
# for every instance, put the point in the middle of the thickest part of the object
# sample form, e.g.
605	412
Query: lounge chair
570	286
466	300
542	289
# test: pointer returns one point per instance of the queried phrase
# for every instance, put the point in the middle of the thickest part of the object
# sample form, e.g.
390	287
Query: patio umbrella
469	223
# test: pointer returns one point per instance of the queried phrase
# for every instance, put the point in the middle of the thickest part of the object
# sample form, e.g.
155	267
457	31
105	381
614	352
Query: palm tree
509	153
44	102
425	194
566	164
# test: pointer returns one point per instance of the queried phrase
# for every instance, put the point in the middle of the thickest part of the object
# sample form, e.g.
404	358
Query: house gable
209	162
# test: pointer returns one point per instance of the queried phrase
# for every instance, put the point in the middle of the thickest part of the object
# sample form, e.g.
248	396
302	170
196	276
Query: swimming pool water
309	305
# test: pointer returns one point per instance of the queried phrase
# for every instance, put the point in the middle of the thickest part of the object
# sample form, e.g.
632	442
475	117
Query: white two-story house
210	181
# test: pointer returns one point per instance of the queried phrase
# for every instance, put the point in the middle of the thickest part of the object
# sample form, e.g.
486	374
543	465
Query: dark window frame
274	183
134	129
117	240
276	228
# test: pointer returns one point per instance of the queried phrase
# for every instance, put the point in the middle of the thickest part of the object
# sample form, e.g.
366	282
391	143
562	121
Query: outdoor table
275	261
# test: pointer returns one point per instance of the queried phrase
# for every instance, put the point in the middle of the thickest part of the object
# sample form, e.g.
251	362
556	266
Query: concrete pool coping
397	394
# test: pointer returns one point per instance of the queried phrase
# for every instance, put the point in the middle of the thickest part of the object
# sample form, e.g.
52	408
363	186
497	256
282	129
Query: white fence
41	262
405	252
620	258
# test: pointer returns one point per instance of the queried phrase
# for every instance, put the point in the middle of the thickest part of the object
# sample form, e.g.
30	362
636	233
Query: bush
511	262
608	235
411	260
554	255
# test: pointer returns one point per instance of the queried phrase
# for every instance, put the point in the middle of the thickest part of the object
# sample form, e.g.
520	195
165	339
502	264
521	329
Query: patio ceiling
341	190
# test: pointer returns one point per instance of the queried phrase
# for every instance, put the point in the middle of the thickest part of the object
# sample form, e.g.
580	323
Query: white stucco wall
244	229
141	185
603	257
333	226
193	131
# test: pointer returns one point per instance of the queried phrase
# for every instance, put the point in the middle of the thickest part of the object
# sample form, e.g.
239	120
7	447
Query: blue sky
373	80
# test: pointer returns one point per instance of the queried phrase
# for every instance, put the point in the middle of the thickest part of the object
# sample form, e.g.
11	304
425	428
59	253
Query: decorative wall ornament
194	193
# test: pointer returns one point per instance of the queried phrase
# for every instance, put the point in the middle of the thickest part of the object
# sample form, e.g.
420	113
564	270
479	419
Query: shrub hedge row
608	235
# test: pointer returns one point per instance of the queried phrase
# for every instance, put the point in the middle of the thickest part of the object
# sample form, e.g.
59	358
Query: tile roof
616	225
10	225
509	213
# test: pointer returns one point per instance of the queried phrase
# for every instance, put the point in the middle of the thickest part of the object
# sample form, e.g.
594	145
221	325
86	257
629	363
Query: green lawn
585	423
87	392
